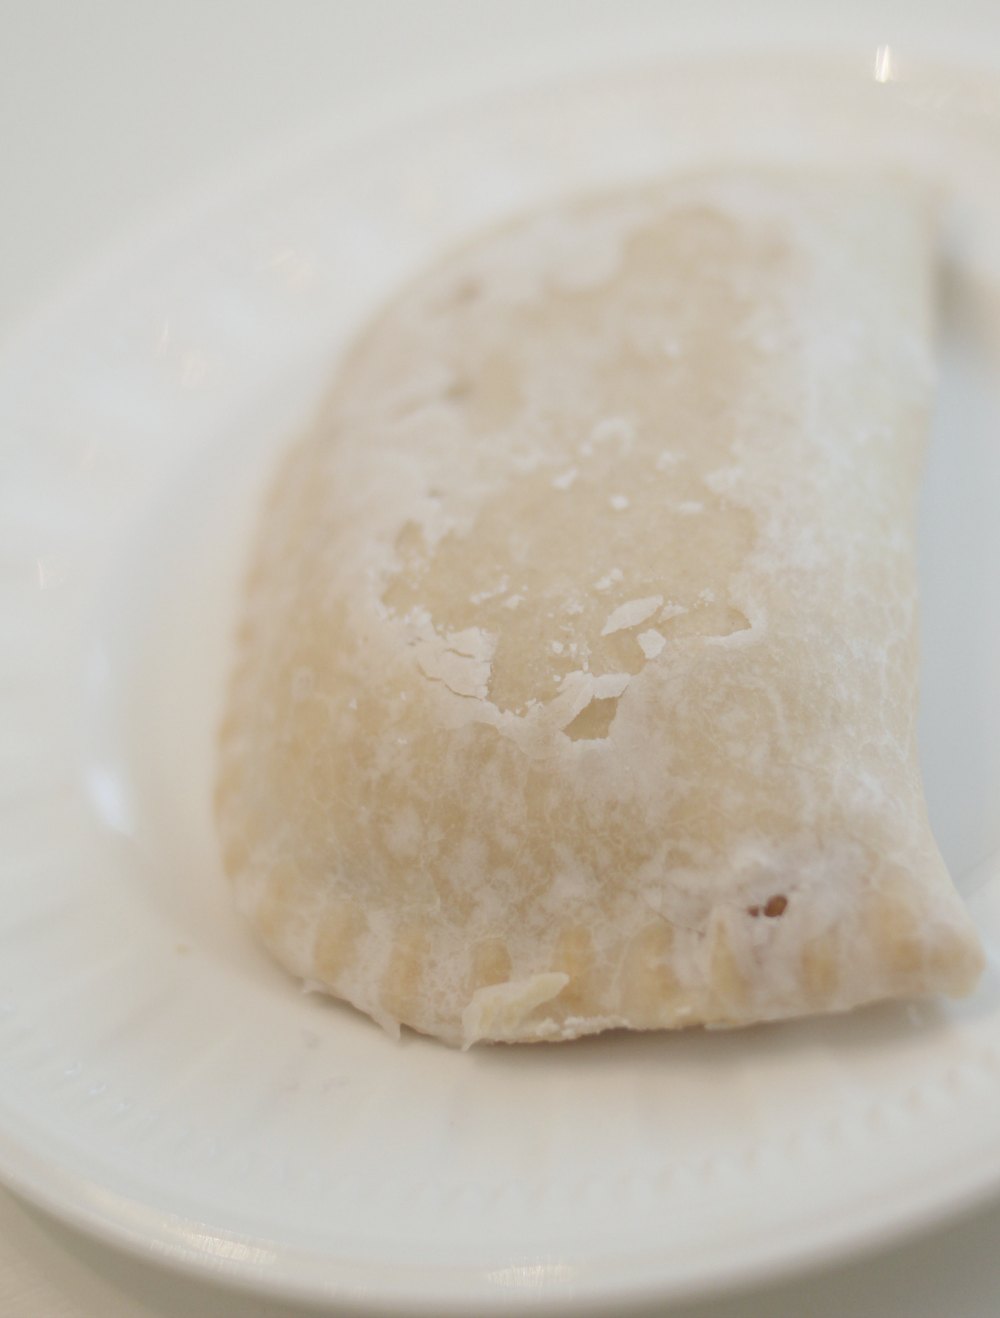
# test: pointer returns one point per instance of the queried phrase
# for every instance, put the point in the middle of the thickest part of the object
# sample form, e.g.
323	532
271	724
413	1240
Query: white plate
161	1083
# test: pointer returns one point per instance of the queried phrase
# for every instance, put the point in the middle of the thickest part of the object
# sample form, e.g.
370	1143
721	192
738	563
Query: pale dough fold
577	679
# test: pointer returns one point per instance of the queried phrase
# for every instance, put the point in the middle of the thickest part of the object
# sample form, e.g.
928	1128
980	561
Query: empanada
577	680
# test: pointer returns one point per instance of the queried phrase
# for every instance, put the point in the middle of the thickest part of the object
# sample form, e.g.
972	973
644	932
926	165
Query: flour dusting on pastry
577	679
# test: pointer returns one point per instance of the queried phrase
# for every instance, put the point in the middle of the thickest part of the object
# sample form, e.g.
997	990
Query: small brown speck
772	908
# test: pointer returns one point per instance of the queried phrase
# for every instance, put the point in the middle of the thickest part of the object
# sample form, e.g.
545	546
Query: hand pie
577	680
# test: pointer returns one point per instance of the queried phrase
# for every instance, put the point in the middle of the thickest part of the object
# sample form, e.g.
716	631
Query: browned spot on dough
593	721
575	958
490	963
648	983
772	908
401	982
340	928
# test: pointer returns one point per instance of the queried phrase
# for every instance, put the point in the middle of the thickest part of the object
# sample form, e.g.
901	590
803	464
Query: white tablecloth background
110	108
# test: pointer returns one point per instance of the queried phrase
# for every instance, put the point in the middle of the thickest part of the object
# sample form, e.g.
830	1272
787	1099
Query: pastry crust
577	680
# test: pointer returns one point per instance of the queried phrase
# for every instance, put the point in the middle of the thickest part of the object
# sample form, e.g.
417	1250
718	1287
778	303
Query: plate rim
465	1288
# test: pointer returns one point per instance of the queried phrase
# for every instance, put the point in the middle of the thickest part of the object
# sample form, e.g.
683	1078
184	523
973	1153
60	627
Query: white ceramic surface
160	1082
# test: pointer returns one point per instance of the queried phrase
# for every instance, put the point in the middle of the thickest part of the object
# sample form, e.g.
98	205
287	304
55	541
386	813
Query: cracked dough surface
577	680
